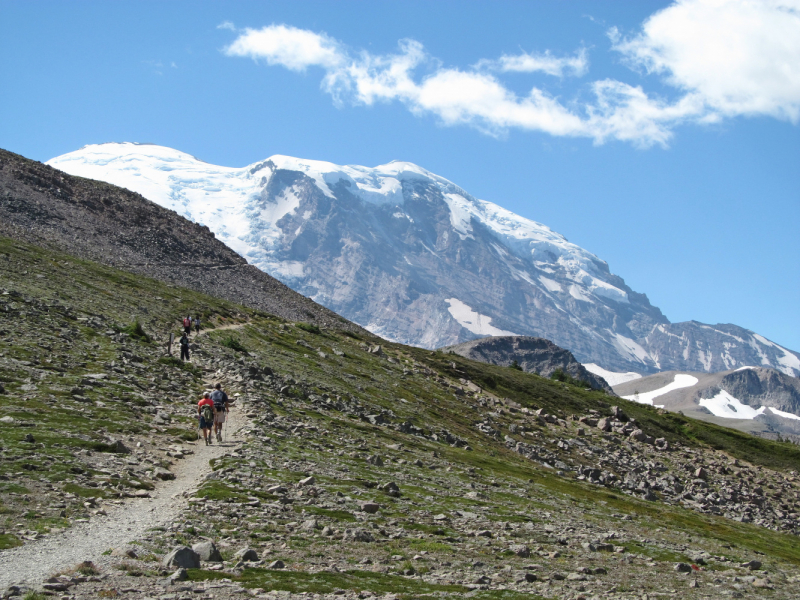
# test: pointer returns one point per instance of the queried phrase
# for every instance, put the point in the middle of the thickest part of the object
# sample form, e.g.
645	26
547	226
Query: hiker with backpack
184	342
206	413
221	405
187	324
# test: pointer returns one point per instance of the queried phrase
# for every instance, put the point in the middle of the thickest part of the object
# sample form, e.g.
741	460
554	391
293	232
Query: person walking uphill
184	342
221	406
197	323
206	413
187	324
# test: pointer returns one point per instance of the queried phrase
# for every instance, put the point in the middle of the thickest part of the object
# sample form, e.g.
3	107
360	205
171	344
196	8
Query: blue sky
662	137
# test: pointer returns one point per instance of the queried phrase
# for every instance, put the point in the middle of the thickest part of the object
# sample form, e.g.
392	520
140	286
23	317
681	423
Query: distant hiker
184	342
221	404
197	323
187	324
206	413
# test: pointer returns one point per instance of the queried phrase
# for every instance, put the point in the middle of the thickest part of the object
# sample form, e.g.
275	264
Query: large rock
247	555
207	551
181	556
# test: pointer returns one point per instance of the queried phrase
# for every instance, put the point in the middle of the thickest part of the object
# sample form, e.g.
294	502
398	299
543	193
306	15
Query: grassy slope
61	348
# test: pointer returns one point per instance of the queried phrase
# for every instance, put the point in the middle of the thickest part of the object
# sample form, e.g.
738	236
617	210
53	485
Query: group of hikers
212	411
188	323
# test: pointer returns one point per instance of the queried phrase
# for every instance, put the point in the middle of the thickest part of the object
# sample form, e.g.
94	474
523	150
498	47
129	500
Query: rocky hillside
367	469
532	355
752	399
117	227
416	259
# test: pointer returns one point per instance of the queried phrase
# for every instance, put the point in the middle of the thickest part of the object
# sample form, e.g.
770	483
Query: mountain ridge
414	258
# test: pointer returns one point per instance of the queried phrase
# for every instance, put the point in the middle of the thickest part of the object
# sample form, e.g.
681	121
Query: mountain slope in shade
748	398
414	258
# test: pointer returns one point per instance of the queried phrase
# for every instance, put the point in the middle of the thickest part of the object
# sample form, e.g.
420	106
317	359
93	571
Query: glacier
417	259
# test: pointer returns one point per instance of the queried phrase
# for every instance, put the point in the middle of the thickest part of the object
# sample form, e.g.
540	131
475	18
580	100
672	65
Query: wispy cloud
723	58
524	62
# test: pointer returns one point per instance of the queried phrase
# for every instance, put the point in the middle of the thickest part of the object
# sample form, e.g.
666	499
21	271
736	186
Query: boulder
247	555
181	557
370	507
520	550
306	481
207	551
276	564
604	424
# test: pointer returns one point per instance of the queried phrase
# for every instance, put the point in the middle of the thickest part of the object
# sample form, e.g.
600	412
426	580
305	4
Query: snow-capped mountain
414	258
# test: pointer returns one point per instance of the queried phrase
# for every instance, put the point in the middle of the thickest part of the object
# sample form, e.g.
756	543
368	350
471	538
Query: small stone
327	530
179	575
7	420
162	473
694	583
753	565
309	525
29	438
276	564
375	460
307	481
520	550
371	507
682	568
762	583
701	473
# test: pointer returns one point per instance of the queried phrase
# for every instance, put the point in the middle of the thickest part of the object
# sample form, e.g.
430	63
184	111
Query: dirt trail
33	562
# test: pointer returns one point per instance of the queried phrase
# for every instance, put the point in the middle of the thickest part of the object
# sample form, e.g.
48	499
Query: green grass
8	540
328	583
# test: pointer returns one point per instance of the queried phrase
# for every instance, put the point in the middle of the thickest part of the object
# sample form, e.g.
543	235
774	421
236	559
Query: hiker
184	342
187	324
197	323
206	413
221	404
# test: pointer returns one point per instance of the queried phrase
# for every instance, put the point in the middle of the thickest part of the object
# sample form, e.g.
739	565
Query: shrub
309	327
135	330
515	365
560	375
234	344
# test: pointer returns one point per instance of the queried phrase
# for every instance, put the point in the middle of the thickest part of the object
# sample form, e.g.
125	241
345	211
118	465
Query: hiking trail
35	561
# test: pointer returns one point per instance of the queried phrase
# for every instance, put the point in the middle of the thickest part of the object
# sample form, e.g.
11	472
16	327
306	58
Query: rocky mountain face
533	355
414	258
117	227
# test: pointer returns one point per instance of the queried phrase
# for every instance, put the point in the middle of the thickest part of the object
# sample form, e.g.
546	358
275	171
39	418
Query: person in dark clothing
197	323
184	342
221	407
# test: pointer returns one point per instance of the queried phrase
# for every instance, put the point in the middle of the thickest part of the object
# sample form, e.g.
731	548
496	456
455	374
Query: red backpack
187	322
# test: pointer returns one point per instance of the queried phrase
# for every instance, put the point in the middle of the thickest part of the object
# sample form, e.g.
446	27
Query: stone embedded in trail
162	473
207	551
181	556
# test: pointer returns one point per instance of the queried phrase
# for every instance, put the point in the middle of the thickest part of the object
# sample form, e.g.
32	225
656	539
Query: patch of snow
681	380
550	284
612	378
784	414
578	293
725	405
473	321
789	362
744	368
627	347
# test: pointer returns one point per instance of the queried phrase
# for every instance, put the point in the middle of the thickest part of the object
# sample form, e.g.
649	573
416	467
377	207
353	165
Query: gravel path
35	561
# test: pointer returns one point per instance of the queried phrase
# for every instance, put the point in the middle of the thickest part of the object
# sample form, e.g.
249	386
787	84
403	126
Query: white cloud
742	57
226	25
723	58
577	65
296	49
